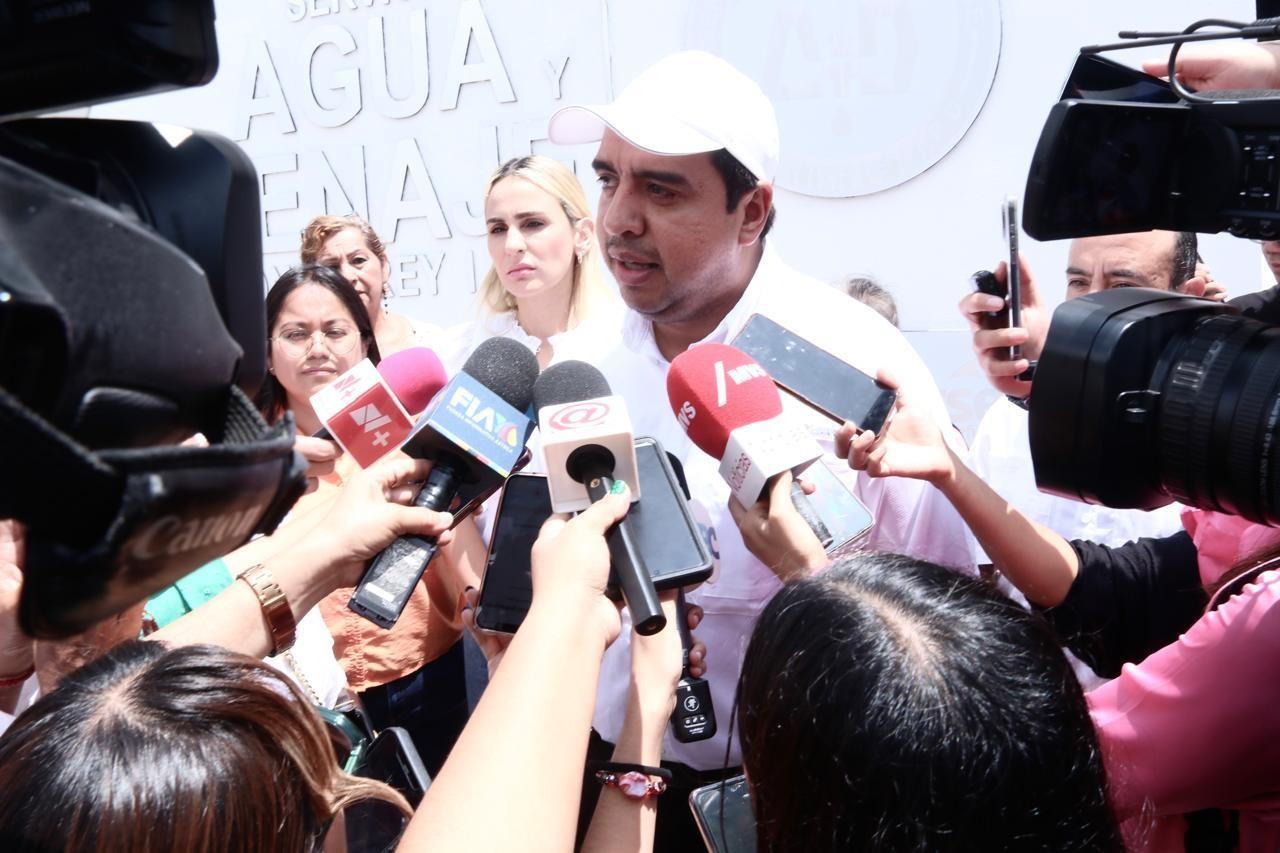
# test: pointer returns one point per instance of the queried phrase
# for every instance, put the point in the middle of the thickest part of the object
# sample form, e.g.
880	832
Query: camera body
1144	397
131	317
1111	167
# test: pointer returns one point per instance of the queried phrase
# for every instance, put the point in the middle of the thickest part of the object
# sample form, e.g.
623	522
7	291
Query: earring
582	253
386	300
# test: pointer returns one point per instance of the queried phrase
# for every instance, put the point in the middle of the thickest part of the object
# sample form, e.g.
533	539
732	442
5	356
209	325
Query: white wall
868	91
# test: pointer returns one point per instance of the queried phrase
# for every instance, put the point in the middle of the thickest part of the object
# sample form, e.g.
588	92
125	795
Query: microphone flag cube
362	414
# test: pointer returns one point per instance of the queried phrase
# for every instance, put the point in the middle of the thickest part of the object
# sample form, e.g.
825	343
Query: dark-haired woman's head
317	328
194	749
891	704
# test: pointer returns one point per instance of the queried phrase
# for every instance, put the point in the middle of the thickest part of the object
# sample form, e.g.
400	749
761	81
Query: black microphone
475	432
587	442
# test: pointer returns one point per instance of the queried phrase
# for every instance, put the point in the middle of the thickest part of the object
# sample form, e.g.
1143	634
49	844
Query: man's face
1120	260
1271	251
670	244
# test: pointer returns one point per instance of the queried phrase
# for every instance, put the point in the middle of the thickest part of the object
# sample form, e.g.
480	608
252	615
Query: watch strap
275	607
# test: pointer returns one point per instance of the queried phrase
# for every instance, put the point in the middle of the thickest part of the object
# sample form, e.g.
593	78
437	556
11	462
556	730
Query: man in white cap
686	161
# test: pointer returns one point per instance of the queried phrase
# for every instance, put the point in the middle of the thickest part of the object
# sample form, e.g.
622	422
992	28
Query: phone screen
1009	225
1097	78
507	589
839	390
846	517
723	813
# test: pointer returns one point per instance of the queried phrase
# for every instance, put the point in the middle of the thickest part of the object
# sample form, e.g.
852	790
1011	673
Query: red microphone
731	409
368	410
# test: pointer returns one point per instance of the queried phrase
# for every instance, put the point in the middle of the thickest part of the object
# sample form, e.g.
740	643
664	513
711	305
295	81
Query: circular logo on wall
580	415
868	93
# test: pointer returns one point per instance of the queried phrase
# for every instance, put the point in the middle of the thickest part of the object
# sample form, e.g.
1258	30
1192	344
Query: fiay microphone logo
484	416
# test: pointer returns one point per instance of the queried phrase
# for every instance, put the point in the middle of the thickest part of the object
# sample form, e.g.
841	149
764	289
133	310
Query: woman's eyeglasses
297	343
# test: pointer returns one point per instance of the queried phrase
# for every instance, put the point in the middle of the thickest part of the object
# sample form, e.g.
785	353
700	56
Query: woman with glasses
350	246
412	674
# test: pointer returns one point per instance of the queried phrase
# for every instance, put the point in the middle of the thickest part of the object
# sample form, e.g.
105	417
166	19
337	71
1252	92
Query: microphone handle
633	576
801	502
386	585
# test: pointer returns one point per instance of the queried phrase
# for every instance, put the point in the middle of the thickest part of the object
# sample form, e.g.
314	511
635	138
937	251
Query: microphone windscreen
716	388
415	376
569	382
506	368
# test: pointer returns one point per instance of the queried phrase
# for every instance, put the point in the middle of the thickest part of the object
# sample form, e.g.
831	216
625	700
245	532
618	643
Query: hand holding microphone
777	535
589	447
731	409
475	433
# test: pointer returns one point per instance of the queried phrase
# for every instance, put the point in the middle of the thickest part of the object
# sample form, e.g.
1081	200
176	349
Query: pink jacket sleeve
1197	724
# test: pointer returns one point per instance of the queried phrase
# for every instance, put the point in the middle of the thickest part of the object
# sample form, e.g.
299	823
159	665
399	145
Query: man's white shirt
911	517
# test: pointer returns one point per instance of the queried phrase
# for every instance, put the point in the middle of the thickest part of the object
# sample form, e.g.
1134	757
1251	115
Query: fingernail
470	589
618	487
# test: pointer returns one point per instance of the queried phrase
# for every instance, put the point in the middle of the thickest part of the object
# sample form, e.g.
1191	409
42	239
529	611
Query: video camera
1145	397
131	316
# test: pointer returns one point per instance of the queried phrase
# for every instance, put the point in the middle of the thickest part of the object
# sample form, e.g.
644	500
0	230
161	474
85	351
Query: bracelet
634	781
15	680
275	607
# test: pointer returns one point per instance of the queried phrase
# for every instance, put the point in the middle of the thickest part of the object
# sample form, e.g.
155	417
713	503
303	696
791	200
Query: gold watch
275	607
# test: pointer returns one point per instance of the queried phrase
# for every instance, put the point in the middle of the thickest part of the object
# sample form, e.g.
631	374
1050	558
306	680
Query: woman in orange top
410	675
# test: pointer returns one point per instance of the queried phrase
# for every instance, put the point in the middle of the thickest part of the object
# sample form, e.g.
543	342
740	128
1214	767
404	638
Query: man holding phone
686	159
1001	452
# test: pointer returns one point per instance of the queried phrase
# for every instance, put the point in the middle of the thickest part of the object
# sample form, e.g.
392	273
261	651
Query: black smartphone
817	377
507	588
374	826
845	517
723	813
1013	278
673	549
1097	78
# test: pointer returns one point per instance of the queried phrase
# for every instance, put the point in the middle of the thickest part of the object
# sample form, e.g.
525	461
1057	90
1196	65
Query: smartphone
374	826
507	589
845	517
1097	78
838	390
673	548
723	813
1013	279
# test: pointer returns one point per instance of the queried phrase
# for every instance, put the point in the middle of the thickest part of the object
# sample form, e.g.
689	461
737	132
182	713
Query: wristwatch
275	607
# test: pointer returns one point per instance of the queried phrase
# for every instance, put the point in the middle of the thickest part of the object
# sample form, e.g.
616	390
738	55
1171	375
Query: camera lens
1218	422
1143	397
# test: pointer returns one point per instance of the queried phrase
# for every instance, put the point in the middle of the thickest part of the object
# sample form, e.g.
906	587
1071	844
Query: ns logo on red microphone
580	415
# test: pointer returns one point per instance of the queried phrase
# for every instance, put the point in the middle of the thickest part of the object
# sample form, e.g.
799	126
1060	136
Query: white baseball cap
685	103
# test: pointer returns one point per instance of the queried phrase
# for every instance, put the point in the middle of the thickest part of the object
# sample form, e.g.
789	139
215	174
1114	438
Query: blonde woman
350	246
545	288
